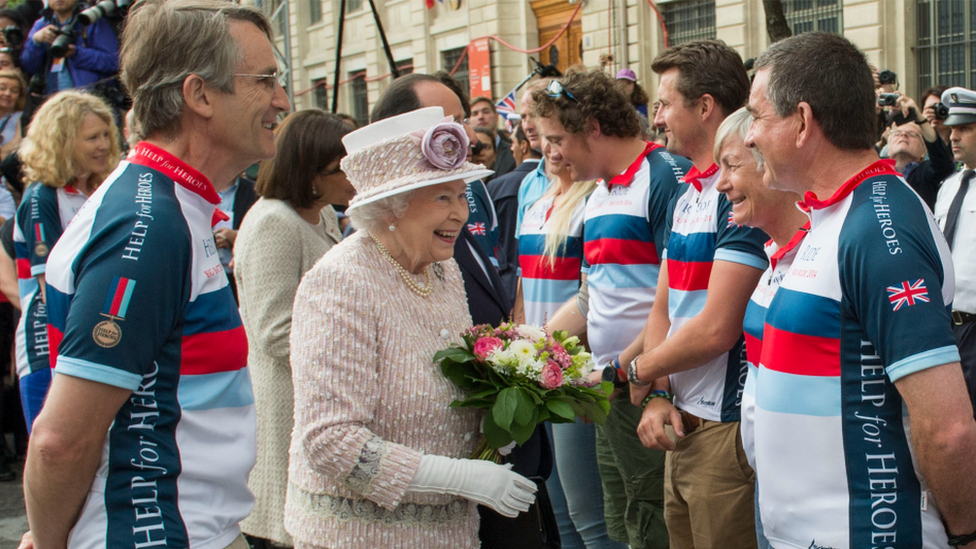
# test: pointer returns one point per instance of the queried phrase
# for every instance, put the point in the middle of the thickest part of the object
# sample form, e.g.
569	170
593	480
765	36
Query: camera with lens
67	33
941	111
887	77
13	36
66	37
887	99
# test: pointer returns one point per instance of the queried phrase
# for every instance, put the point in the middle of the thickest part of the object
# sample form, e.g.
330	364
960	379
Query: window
352	6
813	15
450	58
405	66
689	20
320	94
360	101
314	11
946	46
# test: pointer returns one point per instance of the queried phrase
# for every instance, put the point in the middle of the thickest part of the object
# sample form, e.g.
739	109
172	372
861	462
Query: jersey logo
107	333
731	222
477	228
908	293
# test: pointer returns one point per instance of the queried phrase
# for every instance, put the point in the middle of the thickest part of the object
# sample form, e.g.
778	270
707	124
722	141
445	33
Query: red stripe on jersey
212	352
798	354
23	269
753	349
618	251
538	266
54	337
689	276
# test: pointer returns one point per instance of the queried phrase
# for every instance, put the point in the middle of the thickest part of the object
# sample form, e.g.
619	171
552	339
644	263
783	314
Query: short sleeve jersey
138	299
865	303
780	260
701	232
546	285
624	233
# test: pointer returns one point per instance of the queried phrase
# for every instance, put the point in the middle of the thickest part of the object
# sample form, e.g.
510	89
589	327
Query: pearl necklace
416	288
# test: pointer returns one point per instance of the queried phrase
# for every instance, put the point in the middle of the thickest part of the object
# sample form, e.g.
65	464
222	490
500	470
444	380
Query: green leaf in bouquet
595	412
454	353
495	435
561	409
521	432
525	407
457	373
503	411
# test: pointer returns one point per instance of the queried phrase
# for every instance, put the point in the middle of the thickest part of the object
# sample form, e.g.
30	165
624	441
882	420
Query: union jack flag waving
477	228
908	293
506	108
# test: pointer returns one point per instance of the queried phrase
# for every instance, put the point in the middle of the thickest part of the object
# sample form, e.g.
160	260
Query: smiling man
693	344
864	433
588	125
147	435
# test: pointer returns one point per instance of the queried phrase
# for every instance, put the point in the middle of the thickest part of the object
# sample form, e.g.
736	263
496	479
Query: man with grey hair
864	433
147	435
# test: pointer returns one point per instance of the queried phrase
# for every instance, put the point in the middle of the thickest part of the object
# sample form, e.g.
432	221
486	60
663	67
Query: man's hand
637	394
46	35
658	413
70	52
597	377
225	238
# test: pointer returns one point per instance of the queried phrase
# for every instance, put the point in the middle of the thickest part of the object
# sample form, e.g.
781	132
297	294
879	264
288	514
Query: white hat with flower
407	152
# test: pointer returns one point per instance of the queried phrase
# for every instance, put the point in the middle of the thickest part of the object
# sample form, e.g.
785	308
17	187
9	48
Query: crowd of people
213	361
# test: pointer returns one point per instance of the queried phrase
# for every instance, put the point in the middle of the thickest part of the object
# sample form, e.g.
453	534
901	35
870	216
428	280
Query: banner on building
479	65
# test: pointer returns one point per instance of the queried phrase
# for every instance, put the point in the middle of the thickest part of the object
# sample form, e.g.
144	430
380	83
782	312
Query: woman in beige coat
283	235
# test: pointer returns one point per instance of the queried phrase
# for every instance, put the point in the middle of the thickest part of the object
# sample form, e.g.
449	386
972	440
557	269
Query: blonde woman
13	91
550	263
71	147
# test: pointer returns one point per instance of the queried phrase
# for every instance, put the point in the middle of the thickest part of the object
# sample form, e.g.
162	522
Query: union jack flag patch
908	293
477	228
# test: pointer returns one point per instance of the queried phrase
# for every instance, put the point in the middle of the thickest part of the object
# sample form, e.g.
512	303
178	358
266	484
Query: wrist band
657	393
959	541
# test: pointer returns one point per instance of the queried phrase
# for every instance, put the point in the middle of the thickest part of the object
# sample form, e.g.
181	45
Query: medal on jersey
40	249
108	333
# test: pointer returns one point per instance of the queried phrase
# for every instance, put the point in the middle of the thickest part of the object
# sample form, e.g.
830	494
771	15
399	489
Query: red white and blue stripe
625	228
547	285
701	235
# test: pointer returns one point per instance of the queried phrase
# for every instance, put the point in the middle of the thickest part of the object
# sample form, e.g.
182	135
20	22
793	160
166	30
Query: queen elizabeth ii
377	453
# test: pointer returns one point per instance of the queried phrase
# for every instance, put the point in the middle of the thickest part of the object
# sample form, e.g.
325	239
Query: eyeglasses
462	121
555	89
269	80
900	133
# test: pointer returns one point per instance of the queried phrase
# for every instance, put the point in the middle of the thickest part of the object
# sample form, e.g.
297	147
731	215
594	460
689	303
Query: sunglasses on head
555	90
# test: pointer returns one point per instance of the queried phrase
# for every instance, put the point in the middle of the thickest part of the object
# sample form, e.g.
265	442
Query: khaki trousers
709	489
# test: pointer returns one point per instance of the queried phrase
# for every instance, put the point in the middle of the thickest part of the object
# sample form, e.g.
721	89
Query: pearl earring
392	227
315	190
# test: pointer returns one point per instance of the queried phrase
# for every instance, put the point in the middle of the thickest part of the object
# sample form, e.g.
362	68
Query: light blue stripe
548	291
923	361
38	269
26	287
798	394
607	276
80	368
686	304
124	306
743	258
750	386
212	391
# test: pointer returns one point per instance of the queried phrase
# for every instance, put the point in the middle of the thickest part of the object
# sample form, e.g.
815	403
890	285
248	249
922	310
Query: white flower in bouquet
533	333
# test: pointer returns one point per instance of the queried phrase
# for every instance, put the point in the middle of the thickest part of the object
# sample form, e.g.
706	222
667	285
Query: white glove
484	482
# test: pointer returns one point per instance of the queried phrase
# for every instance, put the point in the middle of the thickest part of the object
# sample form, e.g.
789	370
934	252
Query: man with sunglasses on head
589	126
692	372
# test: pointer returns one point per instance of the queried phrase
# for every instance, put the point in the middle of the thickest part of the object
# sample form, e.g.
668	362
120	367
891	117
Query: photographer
92	52
919	152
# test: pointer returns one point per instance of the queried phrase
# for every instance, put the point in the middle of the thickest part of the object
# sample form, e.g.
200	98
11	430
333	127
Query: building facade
923	41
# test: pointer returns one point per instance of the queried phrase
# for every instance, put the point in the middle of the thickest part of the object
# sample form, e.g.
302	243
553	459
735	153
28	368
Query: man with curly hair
694	345
587	124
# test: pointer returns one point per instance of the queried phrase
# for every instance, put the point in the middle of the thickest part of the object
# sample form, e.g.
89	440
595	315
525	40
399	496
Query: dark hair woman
290	227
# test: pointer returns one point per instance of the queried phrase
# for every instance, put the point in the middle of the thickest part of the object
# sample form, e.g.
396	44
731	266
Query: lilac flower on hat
445	145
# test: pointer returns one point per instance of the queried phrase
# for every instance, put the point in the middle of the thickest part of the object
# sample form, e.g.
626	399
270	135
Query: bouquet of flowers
523	376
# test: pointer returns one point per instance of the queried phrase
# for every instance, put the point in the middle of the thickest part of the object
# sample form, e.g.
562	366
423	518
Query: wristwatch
632	374
611	373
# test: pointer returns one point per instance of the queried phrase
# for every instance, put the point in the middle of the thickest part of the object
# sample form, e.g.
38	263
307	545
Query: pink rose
445	145
485	345
551	376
